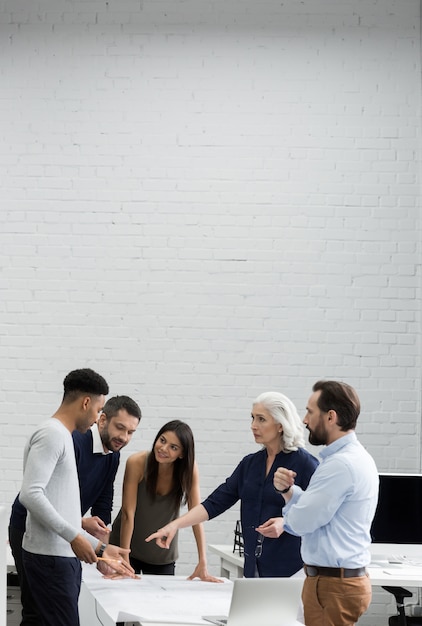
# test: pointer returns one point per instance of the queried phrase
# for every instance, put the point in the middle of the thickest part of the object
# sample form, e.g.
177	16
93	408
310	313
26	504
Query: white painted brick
211	201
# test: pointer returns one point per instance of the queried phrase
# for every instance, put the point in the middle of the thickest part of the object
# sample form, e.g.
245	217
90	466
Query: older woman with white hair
277	426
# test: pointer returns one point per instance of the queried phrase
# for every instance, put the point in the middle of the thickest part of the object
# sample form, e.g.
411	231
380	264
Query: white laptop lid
263	602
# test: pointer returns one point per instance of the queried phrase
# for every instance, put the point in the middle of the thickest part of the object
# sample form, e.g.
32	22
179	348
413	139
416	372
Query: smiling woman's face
167	448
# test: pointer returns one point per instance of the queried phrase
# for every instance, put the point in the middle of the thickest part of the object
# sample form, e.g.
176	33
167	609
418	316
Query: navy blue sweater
260	502
96	474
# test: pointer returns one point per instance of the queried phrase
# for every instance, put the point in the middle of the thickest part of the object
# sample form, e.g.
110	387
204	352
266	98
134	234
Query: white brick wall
206	200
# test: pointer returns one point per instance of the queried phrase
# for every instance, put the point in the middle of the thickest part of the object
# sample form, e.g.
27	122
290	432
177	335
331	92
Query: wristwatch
283	490
101	550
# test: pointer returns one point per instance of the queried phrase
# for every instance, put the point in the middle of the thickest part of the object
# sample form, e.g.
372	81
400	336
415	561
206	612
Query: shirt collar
97	444
338	444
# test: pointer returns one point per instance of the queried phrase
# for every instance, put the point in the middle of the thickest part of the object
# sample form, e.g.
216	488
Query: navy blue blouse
260	502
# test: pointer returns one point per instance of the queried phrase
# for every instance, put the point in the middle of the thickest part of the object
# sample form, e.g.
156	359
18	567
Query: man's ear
102	419
86	401
332	416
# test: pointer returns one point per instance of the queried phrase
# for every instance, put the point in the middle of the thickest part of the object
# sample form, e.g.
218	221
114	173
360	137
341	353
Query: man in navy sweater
97	455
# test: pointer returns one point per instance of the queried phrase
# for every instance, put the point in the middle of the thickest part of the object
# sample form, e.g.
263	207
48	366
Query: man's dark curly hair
83	381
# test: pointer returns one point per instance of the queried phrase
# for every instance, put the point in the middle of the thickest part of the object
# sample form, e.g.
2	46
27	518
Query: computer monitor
397	525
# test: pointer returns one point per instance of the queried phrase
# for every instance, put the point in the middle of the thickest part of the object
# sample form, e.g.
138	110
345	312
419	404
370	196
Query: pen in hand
103	558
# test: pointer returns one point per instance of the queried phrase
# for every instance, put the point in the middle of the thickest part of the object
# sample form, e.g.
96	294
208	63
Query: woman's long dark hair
182	468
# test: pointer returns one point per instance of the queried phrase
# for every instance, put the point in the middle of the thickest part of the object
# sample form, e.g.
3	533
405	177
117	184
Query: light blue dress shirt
334	515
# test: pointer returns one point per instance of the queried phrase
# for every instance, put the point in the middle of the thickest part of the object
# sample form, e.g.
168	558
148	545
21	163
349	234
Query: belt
335	572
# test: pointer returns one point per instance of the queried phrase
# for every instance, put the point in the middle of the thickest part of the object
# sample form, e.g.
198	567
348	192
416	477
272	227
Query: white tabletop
153	600
166	599
395	574
381	571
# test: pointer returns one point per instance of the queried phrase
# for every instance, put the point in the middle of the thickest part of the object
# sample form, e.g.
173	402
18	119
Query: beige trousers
329	601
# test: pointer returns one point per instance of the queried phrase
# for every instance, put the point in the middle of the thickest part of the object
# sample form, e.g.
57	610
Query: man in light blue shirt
334	515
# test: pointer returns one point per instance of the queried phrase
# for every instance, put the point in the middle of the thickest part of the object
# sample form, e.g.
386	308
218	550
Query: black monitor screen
398	517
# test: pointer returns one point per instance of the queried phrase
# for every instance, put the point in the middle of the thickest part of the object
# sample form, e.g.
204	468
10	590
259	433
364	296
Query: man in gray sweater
54	542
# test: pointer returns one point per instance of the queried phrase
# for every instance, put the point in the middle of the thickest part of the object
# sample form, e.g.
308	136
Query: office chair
401	619
238	539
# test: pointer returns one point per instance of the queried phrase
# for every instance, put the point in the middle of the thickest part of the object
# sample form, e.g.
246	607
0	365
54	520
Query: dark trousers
141	567
30	614
55	583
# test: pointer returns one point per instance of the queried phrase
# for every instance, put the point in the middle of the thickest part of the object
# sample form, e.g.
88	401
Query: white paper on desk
159	598
179	601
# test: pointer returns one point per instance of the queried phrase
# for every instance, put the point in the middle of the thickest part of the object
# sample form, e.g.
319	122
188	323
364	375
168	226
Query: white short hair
285	413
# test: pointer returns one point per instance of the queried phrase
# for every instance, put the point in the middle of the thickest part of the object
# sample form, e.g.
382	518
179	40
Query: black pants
30	614
55	583
141	567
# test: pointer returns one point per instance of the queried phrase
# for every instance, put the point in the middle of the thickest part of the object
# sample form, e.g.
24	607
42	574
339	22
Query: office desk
164	599
400	575
151	600
380	572
231	563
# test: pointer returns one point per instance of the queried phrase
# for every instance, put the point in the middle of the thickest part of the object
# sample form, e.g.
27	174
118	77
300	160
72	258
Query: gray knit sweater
50	492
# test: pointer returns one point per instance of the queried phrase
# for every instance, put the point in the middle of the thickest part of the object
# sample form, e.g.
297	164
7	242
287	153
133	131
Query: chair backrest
401	619
238	539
